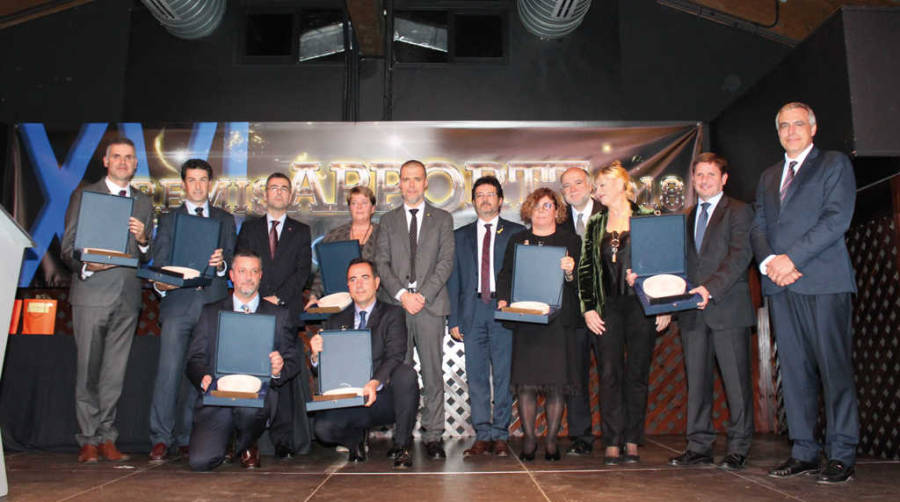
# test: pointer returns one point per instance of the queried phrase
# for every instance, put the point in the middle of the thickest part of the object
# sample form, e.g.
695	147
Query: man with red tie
478	258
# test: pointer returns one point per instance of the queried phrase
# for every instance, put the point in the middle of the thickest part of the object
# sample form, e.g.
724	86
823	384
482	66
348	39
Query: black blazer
721	266
569	224
809	225
181	301
388	326
206	333
463	283
286	275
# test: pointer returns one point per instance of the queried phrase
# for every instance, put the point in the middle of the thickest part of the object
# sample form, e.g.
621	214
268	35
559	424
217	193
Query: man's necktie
199	211
245	309
788	179
486	265
273	239
362	319
701	225
413	244
122	193
579	225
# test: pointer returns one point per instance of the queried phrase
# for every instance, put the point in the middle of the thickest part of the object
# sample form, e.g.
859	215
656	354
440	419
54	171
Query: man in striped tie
804	205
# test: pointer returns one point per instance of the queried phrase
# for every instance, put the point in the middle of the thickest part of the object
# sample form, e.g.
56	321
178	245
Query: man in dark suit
284	245
392	395
106	301
479	250
414	253
718	254
803	209
576	188
214	425
173	399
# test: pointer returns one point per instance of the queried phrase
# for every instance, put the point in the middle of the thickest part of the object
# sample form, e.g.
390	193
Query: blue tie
362	319
701	225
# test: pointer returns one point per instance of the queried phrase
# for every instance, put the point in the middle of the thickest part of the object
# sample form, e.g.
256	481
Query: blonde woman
612	312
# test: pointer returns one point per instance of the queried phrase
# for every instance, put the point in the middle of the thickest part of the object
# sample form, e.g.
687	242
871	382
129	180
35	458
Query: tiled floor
325	475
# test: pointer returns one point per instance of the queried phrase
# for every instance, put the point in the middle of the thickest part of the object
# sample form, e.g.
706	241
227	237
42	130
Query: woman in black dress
613	313
543	357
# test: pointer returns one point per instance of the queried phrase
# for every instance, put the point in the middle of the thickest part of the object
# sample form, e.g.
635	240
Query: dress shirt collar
253	304
586	212
420	207
493	223
191	208
368	310
800	158
280	221
713	201
115	189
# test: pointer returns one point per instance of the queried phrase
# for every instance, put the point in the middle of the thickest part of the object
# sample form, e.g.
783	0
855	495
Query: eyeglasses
546	206
485	195
278	188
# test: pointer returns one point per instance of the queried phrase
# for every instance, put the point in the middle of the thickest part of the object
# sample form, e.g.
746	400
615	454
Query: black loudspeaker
847	71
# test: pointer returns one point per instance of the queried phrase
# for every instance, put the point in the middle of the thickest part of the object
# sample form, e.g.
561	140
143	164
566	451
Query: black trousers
214	426
703	346
578	416
626	348
396	403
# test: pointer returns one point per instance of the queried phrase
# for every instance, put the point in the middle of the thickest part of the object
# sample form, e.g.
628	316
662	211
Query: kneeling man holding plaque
217	349
392	394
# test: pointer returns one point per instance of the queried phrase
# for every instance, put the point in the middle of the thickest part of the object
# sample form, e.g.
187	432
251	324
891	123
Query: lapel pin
499	230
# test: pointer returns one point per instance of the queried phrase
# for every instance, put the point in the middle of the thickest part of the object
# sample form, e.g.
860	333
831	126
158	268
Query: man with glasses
283	245
478	258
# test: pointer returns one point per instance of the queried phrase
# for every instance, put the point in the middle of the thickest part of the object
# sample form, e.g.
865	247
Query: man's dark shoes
501	449
357	452
479	448
403	460
283	452
394	451
435	450
733	462
250	458
631	459
835	473
793	467
580	447
184	453
691	458
158	452
612	460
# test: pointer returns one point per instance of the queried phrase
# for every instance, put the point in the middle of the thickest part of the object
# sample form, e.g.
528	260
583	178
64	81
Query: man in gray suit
414	254
718	254
804	205
171	411
105	300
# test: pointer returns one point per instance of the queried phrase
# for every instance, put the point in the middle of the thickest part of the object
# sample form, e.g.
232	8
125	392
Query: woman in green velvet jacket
613	312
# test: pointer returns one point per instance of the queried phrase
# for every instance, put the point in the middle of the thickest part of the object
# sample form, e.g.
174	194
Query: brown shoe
501	449
158	452
109	451
479	448
250	458
184	453
88	454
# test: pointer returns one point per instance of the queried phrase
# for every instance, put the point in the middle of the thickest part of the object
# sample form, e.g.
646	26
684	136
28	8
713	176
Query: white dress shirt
280	226
480	226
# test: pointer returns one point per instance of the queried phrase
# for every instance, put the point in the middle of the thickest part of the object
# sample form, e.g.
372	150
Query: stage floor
325	475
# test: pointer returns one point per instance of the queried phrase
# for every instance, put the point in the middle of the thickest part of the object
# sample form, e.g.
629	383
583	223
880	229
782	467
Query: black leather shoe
435	450
580	447
691	458
609	460
283	453
552	457
793	467
835	473
403	460
631	459
393	452
528	456
358	452
733	462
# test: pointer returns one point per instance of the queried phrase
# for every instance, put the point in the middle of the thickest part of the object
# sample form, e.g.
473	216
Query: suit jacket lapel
501	237
691	229
803	175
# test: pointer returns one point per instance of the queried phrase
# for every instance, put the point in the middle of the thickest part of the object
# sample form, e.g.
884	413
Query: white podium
14	240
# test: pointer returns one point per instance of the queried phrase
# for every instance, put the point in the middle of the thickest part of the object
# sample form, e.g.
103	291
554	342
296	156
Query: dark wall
67	67
630	60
